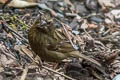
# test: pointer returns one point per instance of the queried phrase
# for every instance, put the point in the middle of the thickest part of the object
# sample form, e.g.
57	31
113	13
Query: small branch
66	32
24	74
58	73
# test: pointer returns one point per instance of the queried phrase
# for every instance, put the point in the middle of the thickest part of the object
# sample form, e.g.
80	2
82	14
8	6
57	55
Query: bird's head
44	23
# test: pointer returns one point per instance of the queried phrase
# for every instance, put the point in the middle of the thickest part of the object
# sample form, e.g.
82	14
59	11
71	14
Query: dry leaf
84	25
106	3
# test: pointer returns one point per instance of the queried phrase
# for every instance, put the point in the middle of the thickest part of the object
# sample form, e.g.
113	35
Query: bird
52	45
19	3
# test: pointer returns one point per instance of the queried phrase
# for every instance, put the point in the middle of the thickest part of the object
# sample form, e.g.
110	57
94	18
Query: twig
58	73
63	24
5	52
24	74
49	69
88	34
67	34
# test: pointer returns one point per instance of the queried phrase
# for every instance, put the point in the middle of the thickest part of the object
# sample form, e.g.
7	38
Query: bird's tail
79	55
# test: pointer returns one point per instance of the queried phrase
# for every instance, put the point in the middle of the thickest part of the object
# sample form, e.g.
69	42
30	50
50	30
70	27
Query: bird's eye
48	22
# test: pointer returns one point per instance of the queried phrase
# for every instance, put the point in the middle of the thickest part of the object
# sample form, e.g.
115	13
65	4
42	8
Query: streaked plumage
47	43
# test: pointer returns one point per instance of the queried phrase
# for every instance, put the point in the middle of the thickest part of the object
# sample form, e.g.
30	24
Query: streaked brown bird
52	45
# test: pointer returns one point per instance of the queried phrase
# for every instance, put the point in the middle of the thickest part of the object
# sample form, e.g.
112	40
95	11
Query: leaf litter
92	27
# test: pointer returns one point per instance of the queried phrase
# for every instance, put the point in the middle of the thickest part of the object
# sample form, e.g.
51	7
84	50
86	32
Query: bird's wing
64	47
60	43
